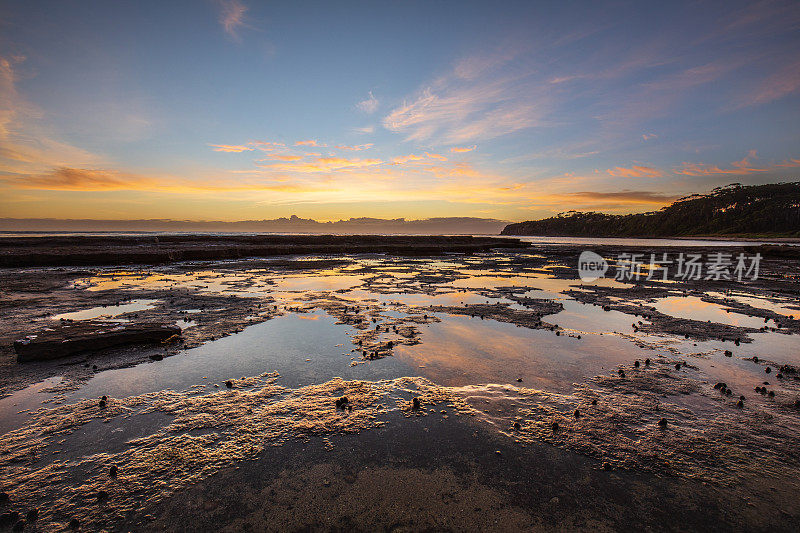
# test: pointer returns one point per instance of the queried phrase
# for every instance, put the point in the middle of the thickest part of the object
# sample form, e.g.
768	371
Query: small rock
497	452
516	425
229	384
768	370
677	366
112	472
606	465
102	404
74	523
755	359
341	402
32	515
577	413
519	380
594	402
8	518
662	422
728	353
415	403
555	426
740	404
647	362
771	393
636	364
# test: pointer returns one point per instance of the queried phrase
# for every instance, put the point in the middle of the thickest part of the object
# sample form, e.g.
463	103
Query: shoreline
20	252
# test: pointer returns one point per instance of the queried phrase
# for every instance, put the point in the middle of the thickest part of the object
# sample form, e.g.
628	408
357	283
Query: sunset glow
234	110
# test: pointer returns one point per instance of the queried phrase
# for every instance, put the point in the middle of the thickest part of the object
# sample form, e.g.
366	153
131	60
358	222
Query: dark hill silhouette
771	209
293	224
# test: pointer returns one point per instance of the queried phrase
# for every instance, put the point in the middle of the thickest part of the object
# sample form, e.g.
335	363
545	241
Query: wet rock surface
64	339
680	413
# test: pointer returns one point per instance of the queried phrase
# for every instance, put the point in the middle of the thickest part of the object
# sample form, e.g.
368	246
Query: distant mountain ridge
293	224
771	209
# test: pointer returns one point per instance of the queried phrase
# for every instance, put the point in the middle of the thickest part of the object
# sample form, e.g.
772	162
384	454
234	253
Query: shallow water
312	341
105	312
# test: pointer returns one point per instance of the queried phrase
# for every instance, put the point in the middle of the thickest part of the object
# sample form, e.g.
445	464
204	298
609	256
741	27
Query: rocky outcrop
127	250
66	339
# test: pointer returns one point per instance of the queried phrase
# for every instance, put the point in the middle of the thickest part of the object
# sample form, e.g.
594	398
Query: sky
239	110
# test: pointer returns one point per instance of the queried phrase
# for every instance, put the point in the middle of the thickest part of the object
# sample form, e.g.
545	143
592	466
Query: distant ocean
582	241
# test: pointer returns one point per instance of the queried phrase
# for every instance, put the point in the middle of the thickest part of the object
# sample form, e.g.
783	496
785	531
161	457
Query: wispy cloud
355	148
741	167
625	196
636	171
477	100
323	164
230	148
310	142
649	136
231	16
458	149
370	105
279	157
782	83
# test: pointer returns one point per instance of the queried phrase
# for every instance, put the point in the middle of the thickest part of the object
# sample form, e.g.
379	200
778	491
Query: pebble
740	404
112	472
647	362
341	402
555	426
636	364
577	413
415	403
516	425
728	353
229	384
519	380
102	404
662	422
594	402
768	370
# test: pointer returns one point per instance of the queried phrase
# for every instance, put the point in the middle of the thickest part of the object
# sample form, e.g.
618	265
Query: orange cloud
324	164
285	157
310	142
743	166
629	197
356	148
414	157
636	171
457	149
230	148
266	146
648	136
82	179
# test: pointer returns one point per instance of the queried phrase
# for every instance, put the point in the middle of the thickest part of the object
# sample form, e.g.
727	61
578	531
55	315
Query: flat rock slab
61	340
